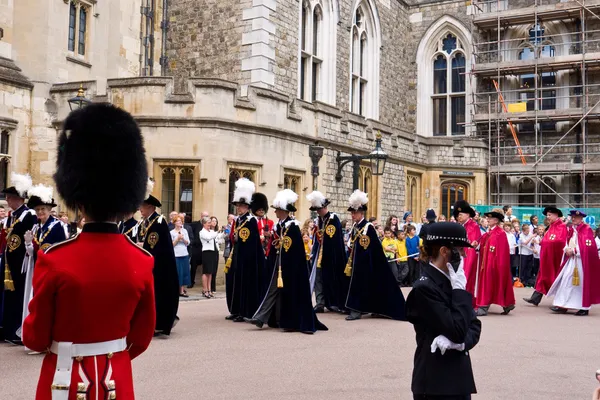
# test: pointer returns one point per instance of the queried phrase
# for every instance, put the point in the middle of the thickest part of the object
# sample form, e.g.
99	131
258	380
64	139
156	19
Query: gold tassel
8	281
228	262
576	276
348	270
279	279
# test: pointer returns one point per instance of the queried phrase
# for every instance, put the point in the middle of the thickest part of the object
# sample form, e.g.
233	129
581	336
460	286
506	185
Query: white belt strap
66	351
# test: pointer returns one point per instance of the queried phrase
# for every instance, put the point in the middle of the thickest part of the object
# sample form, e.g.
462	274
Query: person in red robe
93	304
464	213
551	254
494	283
259	206
578	284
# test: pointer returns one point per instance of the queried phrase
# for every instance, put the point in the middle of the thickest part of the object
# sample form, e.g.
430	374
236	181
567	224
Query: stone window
443	66
413	197
369	184
4	159
177	188
451	193
292	180
235	173
79	12
317	51
449	88
364	62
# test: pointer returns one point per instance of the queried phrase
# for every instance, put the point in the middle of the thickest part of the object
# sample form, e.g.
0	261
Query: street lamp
377	157
80	100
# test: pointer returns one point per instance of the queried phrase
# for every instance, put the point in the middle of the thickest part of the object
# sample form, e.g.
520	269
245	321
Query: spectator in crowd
537	239
412	248
374	221
210	255
430	217
597	239
533	220
512	245
393	224
442	218
80	225
181	241
483	224
380	231
63	217
214	225
197	260
307	244
3	215
402	257
172	216
226	239
508	215
54	213
452	219
407	219
347	228
525	243
309	228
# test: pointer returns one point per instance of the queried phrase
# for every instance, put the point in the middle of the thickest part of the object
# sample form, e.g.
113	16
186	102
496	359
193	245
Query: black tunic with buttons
434	309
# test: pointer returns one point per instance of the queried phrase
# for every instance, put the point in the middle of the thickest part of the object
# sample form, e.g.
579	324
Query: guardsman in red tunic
259	206
93	304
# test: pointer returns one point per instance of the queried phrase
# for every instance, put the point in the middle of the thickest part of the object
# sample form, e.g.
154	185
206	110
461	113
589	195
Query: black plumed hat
259	202
101	162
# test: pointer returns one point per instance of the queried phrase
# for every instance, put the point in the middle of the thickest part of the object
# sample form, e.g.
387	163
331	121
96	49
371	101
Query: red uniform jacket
495	284
265	224
471	259
551	254
589	263
93	288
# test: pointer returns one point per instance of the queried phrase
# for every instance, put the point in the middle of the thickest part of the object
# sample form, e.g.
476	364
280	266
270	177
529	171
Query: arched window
186	191
451	193
526	192
547	191
317	51
364	61
234	175
449	88
168	189
4	160
368	184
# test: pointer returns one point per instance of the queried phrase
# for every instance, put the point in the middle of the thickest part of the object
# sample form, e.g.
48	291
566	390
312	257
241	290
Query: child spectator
537	239
512	245
525	243
402	258
412	248
390	249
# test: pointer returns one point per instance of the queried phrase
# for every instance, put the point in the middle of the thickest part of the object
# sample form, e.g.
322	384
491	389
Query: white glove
458	279
28	236
443	343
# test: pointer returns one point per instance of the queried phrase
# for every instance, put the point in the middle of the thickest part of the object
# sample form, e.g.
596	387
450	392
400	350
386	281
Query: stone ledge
78	61
8	123
138	81
12	75
71	86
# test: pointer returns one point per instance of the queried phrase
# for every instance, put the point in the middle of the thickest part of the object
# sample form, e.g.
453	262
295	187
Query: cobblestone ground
530	354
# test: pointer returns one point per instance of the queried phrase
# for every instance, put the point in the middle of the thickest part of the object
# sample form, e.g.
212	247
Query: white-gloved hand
28	236
458	279
443	343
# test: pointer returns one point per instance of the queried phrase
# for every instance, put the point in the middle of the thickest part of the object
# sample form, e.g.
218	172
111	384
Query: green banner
524	213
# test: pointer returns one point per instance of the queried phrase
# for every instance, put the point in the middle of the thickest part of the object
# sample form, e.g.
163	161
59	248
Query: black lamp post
79	101
377	157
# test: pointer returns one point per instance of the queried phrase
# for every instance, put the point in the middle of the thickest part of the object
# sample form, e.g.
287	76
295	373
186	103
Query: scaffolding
543	56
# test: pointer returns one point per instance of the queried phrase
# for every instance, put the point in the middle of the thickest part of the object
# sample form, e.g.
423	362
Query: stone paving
530	354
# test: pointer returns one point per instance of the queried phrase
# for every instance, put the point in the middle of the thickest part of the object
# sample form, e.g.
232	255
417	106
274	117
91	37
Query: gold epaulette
138	247
56	245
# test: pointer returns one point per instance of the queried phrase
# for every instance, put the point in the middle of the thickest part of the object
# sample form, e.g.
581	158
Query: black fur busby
259	201
101	162
464	207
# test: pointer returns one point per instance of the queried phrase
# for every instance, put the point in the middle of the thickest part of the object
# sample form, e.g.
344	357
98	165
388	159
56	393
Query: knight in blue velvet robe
288	300
373	287
129	228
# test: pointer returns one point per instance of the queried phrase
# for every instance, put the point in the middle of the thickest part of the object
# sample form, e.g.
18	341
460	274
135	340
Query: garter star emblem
364	241
588	242
153	239
552	237
14	241
287	243
330	230
492	249
244	234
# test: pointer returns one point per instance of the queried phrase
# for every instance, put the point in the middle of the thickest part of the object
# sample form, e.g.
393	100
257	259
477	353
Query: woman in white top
181	240
210	255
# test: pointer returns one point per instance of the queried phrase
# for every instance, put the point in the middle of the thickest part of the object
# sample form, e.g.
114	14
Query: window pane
439	74
458	115
363	55
353	100
362	99
168	190
439	117
547	51
548	96
526	54
82	29
186	191
536	33
316	31
303	63
4	142
527	93
458	73
449	43
304	27
445	200
72	16
355	54
316	68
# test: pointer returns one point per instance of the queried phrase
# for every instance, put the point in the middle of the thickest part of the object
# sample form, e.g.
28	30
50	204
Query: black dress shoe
530	301
333	309
319	309
582	313
230	317
558	310
257	322
508	309
238	319
352	317
15	342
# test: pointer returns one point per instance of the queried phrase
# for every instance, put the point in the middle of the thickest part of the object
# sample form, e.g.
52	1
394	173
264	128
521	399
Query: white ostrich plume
357	199
45	193
283	198
316	198
21	182
149	188
244	189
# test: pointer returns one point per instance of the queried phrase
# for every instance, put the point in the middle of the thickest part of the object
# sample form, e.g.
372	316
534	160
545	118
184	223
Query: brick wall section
285	43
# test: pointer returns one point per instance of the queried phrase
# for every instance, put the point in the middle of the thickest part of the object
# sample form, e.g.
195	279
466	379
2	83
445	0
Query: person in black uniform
245	269
155	238
442	313
288	301
328	257
129	227
20	220
430	217
373	288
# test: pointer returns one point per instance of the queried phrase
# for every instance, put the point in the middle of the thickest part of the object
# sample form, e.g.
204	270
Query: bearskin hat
101	162
259	202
